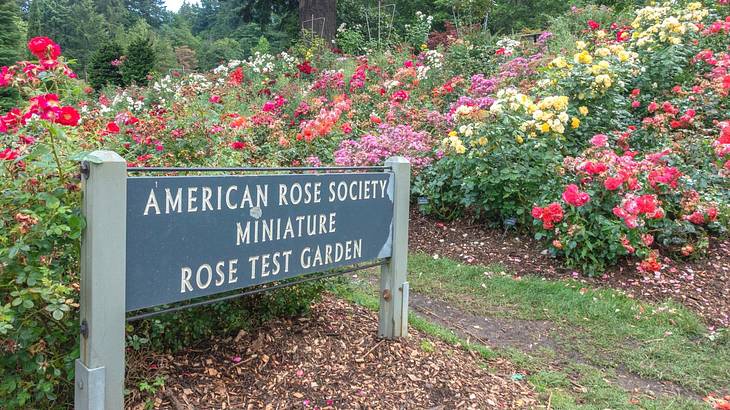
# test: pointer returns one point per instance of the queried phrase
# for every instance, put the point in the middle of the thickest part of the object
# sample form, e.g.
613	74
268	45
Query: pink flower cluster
329	80
633	207
358	77
482	86
374	149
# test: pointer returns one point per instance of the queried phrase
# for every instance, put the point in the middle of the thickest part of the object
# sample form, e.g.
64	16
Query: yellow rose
584	57
583	110
575	123
452	133
544	127
519	139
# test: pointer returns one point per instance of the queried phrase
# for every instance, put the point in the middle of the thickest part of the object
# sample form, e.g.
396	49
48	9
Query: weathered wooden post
99	380
393	315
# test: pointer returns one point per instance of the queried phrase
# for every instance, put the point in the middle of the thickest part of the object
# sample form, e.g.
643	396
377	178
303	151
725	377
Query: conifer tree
104	68
10	46
10	36
87	28
140	61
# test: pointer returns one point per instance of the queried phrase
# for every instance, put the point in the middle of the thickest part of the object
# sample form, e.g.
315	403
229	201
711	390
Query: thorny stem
61	175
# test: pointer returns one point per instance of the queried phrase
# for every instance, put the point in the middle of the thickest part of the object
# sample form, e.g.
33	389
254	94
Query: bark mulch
702	285
329	359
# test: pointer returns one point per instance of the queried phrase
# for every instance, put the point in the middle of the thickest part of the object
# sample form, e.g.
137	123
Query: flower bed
616	146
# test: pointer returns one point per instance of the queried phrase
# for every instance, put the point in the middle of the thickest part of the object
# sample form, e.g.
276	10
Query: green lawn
607	329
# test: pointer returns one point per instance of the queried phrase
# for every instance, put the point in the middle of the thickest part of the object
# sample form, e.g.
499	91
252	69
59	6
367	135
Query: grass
606	328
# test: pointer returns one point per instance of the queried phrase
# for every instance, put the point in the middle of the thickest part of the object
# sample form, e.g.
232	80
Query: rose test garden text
216	198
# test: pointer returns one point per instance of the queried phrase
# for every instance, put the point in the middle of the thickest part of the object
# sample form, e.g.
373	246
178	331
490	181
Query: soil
331	358
702	285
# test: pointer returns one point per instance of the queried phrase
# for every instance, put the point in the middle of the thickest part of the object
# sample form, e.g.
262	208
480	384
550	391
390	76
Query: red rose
593	25
573	196
238	145
215	99
399	96
712	214
595	168
305	68
646	204
613	183
696	218
9	154
44	48
68	116
112	127
236	77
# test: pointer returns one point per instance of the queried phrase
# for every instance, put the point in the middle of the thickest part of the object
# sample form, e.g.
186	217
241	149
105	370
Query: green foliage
10	36
10	47
500	186
140	61
103	70
262	47
350	40
513	16
88	27
212	54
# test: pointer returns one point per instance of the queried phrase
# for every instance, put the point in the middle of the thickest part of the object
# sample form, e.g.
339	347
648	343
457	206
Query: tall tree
140	61
320	16
50	18
87	28
10	35
153	12
104	66
10	46
116	15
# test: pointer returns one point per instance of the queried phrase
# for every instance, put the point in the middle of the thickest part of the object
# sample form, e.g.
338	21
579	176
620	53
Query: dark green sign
196	236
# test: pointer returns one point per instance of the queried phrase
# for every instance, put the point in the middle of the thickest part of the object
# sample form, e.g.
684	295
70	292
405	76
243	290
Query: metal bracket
85	169
89	387
84	328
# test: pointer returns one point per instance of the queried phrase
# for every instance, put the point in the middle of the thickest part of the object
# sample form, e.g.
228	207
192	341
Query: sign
152	241
197	236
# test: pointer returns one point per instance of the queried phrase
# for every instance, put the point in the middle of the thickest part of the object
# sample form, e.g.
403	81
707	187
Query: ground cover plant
609	140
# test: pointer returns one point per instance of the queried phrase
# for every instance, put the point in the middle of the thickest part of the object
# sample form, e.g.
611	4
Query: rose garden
569	208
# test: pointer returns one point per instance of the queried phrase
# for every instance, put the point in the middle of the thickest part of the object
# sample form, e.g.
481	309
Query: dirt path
530	336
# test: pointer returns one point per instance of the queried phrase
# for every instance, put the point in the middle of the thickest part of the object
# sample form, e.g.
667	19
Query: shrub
104	67
139	62
618	205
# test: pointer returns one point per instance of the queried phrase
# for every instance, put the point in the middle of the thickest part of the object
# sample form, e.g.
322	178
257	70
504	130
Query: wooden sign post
159	240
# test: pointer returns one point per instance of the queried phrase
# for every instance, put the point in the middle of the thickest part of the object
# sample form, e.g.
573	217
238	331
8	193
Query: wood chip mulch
329	359
702	285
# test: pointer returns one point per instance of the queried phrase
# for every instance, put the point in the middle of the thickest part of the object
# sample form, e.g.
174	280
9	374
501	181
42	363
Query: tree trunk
319	16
